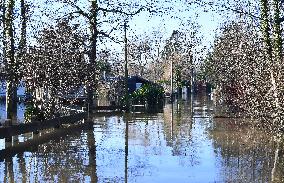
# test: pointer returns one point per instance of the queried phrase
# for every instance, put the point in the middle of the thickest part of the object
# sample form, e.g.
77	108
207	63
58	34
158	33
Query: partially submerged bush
149	93
33	113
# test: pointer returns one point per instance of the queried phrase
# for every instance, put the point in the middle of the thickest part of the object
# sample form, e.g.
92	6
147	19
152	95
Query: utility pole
126	149
172	83
173	50
126	67
191	80
191	84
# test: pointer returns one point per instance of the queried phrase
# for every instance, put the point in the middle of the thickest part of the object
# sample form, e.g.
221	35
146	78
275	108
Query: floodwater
180	145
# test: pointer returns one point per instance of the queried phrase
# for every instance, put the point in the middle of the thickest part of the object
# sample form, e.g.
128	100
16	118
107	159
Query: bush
149	93
33	112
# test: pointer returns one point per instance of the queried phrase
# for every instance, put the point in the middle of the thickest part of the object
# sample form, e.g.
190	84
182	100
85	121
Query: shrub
149	93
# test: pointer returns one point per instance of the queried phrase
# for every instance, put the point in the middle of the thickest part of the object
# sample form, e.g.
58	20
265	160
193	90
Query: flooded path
179	145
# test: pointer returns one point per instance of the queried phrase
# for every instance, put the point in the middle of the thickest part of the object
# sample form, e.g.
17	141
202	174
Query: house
135	82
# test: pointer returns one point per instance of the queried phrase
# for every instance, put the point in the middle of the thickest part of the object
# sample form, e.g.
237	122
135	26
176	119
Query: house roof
138	79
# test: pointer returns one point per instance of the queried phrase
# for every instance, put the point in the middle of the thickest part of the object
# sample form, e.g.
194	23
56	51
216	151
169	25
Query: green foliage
32	111
167	82
149	93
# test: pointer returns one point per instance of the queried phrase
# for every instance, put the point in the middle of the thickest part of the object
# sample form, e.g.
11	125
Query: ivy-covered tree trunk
277	53
265	27
273	55
10	62
277	39
23	40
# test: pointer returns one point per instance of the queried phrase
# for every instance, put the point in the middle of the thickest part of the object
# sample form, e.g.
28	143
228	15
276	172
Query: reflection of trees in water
143	141
139	166
66	159
178	133
246	154
111	150
109	135
146	140
9	170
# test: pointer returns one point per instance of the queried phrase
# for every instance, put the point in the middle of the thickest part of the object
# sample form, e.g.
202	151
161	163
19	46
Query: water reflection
182	144
247	154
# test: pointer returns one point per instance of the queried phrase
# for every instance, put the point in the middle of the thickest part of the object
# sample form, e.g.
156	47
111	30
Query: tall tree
139	54
93	53
103	15
2	18
179	52
273	46
23	40
265	27
277	32
23	37
9	60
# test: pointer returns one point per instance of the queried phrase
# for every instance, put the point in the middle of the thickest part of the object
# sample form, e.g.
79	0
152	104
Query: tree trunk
92	55
24	24
277	32
265	27
23	40
11	65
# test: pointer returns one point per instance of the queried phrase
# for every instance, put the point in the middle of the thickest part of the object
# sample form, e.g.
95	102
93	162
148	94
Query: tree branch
242	12
78	9
126	13
108	36
200	3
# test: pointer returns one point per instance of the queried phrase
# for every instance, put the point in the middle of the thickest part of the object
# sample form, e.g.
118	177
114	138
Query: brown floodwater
181	144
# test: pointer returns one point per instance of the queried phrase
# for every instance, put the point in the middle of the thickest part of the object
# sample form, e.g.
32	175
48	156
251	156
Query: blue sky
208	21
145	24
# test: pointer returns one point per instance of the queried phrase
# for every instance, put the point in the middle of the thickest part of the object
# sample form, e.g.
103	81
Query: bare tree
101	13
139	55
179	53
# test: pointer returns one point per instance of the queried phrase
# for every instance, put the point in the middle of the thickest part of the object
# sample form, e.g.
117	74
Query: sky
142	23
209	21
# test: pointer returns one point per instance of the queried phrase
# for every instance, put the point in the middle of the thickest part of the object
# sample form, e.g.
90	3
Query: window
138	85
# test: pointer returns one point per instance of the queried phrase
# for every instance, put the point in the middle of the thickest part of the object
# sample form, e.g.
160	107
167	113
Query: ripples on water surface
151	148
